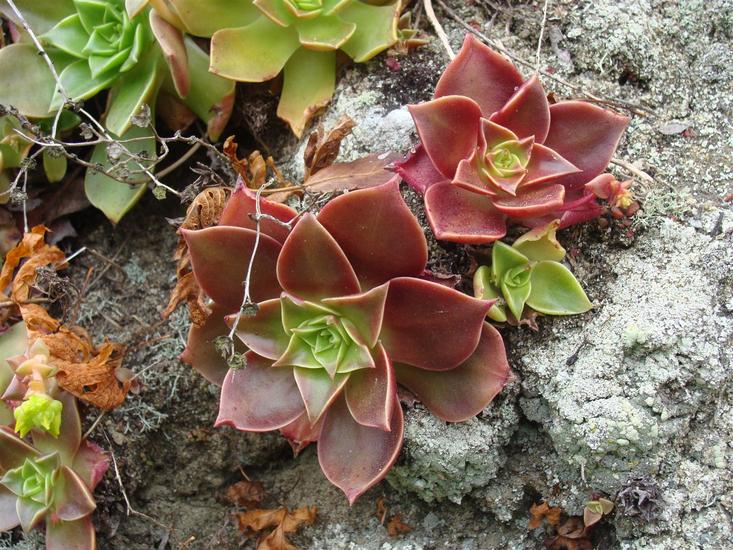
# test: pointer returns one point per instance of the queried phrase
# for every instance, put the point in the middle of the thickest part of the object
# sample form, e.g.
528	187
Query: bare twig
632	169
430	12
187	155
542	34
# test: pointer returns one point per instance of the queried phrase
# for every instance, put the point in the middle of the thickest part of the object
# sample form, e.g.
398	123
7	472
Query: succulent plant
493	150
253	41
51	481
13	342
343	317
529	274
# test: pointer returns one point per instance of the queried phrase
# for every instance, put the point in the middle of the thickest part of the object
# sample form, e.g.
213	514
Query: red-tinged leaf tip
355	457
220	259
259	397
201	352
448	129
263	332
300	432
318	390
63	535
72	498
585	135
242	206
545	165
370	392
430	326
527	113
378	233
170	40
8	516
463	392
532	202
461	216
13	451
469	178
91	463
482	74
312	265
418	171
363	311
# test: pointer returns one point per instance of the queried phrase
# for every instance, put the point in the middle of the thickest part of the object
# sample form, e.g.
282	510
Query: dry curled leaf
246	494
368	171
541	512
323	148
396	527
283	520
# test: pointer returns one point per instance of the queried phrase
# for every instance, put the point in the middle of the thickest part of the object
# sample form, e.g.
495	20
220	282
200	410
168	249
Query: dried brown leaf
247	494
323	148
396	527
275	541
240	165
187	290
284	521
368	171
541	512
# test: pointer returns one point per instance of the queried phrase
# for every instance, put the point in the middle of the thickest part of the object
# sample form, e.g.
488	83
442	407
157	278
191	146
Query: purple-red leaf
533	202
418	171
355	457
430	326
263	332
201	353
527	113
378	233
300	432
8	516
482	74
312	265
318	390
585	135
370	393
13	451
259	397
242	206
545	164
220	259
170	40
461	393
63	535
461	216
72	497
90	463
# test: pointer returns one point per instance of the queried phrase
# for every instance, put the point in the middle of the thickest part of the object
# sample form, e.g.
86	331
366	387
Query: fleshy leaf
515	287
243	204
556	291
430	326
220	258
259	398
376	28
355	457
13	450
533	202
170	40
308	85
69	36
318	389
31	513
324	33
448	129
585	135
201	352
205	18
544	165
79	83
461	393
62	535
113	197
38	411
482	74
69	439
263	332
504	258
484	289
364	311
90	463
72	498
312	264
419	172
41	15
300	432
27	83
541	243
370	393
527	113
54	165
254	53
367	223
8	516
458	215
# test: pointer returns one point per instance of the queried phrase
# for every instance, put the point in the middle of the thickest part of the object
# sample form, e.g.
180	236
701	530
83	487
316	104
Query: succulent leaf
541	243
8	516
556	291
72	497
41	15
263	332
370	393
364	313
484	289
38	411
27	82
78	535
242	205
376	28
205	18
527	112
319	390
419	172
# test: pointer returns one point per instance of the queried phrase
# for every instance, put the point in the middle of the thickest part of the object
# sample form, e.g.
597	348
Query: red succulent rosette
343	317
494	151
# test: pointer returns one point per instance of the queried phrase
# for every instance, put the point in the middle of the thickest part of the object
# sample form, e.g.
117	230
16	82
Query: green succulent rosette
529	274
253	41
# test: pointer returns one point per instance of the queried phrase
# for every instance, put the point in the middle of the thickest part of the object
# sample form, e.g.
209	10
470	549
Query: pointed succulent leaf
72	498
69	36
62	535
205	18
13	450
515	287
54	165
419	172
276	11
254	53
8	516
471	177
367	224
376	28
484	289
533	202
480	73
90	464
295	311
309	79
300	432
556	291
430	326
458	215
242	205
364	312
77	80
31	513
541	243
220	257
201	350
39	411
319	390
504	258
170	40
41	15
134	7
585	135
13	342
355	457
324	33
370	393
545	165
461	393
113	197
527	113
69	439
263	332
312	264
448	129
259	398
27	82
